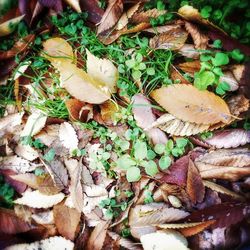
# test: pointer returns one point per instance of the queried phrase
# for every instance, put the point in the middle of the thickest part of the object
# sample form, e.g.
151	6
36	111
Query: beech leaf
36	199
190	104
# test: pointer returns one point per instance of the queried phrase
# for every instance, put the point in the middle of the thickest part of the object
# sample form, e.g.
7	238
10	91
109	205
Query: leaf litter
123	124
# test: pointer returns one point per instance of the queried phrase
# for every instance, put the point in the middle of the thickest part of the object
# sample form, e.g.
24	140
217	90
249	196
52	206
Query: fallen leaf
199	38
44	218
244	83
28	178
11	224
20	46
190	67
190	104
8	123
52	243
175	126
108	111
26	152
97	236
102	71
195	187
238	104
164	240
188	50
163	29
220	189
48	134
34	124
75	4
8	26
36	199
66	220
144	117
68	137
145	16
229	138
171	40
230	80
111	15
188	229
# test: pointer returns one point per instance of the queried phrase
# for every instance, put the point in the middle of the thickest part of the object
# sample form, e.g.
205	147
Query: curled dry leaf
68	137
52	243
144	117
8	26
190	104
195	187
175	126
171	40
111	15
20	46
220	189
10	223
188	229
36	199
66	220
98	235
108	111
228	164
164	240
229	138
144	17
176	76
34	124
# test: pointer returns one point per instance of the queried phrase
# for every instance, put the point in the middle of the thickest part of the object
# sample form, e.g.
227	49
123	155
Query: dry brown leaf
68	137
177	77
188	229
220	189
126	16
44	218
36	199
34	124
66	220
97	237
188	50
144	17
237	70
74	107
52	243
163	29
49	134
111	15
199	38
46	185
238	104
9	123
108	111
190	104
75	4
190	67
195	188
26	152
175	126
28	179
171	40
164	240
17	164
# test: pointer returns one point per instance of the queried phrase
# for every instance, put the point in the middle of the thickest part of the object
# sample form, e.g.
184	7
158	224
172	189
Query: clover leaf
220	59
125	162
133	174
165	162
140	150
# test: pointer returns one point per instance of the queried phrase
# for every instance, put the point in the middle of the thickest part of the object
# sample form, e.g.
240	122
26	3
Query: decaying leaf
188	50
52	243
228	164
177	77
111	15
97	237
34	124
238	104
230	80
49	134
199	38
195	188
75	4
188	229
68	136
108	111
8	26
171	40
190	104
164	240
229	138
144	117
175	126
26	152
144	17
8	123
190	67
66	220
163	29
220	189
44	218
36	199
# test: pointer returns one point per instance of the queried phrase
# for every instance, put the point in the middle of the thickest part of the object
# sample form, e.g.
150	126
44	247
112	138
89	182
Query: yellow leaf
7	27
36	199
103	71
192	105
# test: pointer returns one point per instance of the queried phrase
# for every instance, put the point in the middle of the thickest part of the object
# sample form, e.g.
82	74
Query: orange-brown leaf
66	220
144	17
177	77
190	67
190	104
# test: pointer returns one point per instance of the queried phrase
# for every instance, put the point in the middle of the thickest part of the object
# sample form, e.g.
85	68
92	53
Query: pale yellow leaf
36	199
75	4
164	240
103	71
177	127
52	243
34	124
8	27
190	104
68	137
